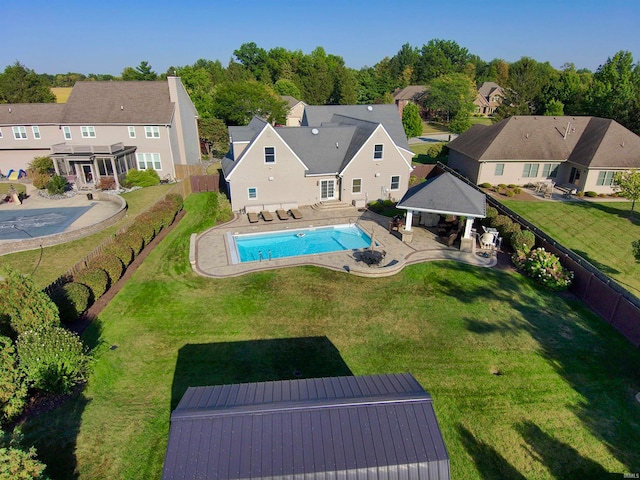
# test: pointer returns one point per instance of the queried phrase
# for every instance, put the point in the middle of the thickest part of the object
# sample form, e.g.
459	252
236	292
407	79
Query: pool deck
210	254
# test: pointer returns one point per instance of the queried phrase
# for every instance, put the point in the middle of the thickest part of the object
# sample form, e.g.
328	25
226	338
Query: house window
530	170
0	133
377	152
152	132
269	154
395	182
104	166
19	133
550	170
149	160
88	132
605	178
253	193
356	185
36	132
132	132
67	133
499	169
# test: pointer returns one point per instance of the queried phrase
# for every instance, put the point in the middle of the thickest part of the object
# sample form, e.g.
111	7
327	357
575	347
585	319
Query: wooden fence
603	295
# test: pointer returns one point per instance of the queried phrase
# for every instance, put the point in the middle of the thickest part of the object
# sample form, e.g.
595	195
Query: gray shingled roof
30	113
377	426
445	194
318	151
386	114
591	142
412	92
487	87
291	101
96	103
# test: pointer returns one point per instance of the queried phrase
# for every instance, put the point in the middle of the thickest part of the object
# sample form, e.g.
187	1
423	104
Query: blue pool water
293	243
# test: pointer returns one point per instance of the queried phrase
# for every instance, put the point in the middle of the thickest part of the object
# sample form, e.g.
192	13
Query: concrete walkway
210	253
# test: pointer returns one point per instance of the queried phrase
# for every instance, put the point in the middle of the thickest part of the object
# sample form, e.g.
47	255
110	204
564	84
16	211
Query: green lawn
54	261
600	232
526	383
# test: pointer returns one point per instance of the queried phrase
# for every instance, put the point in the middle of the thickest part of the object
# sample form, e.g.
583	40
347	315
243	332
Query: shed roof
376	426
445	194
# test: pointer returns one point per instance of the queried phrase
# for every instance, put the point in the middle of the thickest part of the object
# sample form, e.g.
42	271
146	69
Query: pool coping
209	254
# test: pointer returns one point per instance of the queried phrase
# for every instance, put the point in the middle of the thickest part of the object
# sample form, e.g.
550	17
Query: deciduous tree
411	120
18	84
236	103
451	95
628	184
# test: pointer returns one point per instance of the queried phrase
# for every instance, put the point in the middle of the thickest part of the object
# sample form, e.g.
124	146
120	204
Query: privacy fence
615	304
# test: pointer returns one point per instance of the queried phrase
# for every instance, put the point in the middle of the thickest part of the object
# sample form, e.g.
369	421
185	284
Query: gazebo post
467	227
409	221
467	244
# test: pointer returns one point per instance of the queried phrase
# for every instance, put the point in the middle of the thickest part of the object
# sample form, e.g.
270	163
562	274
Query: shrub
580	194
376	206
107	183
13	390
635	245
42	165
523	240
435	150
141	178
166	209
120	250
40	180
53	359
544	268
17	463
509	230
26	306
502	185
499	220
110	264
517	190
590	193
388	203
72	299
96	279
57	185
490	213
510	193
152	217
602	194
132	240
485	185
145	230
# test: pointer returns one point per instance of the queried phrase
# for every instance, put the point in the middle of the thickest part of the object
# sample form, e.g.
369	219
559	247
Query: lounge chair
266	215
295	213
253	217
282	215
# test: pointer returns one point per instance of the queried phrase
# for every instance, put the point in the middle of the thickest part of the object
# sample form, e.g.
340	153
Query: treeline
255	78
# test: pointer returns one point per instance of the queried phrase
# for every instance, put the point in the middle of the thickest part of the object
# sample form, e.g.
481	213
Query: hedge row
105	269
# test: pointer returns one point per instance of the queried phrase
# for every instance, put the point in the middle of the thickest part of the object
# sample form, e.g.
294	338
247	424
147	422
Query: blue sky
106	36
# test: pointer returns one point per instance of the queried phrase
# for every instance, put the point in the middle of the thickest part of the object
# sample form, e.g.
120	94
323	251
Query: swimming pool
293	243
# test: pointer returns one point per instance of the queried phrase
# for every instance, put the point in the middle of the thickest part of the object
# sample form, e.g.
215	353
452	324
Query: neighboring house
350	153
490	96
357	427
411	94
583	151
104	129
295	112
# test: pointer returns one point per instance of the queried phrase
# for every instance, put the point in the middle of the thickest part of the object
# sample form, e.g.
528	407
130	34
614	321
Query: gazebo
445	195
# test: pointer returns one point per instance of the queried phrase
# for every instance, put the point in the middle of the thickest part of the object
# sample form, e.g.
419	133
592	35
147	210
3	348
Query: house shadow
255	361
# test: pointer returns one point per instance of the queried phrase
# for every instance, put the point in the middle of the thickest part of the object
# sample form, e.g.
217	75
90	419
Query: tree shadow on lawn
488	461
597	361
255	361
606	269
562	460
632	216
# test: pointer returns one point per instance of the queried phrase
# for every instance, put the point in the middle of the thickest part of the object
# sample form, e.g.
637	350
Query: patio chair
295	213
266	215
282	215
253	217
